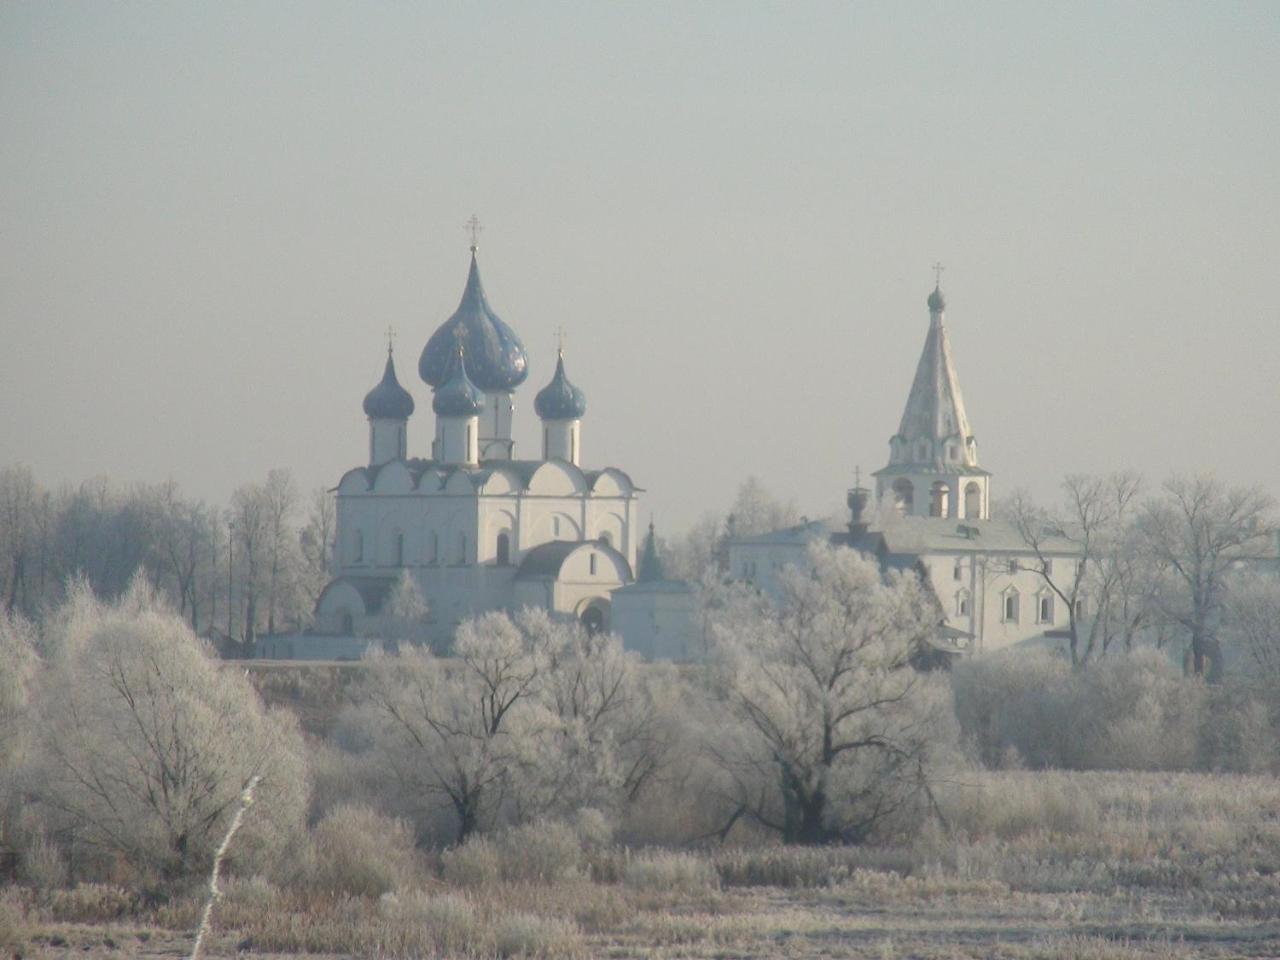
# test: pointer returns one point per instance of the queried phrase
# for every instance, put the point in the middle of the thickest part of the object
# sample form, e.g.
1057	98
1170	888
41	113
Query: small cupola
388	400
560	399
388	407
560	405
458	404
457	396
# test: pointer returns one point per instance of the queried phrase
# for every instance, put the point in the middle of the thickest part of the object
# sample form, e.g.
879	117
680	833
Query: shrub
528	935
92	903
544	851
475	863
449	923
361	852
678	872
1127	711
12	935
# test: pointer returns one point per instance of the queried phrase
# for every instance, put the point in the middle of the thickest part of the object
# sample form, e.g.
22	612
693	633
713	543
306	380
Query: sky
211	213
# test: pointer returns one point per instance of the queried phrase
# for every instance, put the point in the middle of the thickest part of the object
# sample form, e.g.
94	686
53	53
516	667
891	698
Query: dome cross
474	228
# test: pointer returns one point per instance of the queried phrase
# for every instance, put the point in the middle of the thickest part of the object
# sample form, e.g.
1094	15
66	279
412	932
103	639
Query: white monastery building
478	528
932	515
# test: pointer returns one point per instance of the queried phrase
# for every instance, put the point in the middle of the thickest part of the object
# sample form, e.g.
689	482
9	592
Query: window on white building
958	572
1013	565
1009	613
503	550
962	603
1044	608
1048	566
592	564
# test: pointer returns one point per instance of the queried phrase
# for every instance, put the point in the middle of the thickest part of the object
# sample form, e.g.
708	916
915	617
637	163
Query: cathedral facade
478	528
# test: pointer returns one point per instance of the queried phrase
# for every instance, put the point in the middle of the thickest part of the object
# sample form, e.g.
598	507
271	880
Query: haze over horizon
210	214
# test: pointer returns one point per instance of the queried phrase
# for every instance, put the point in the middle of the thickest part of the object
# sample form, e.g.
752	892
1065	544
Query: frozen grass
1037	865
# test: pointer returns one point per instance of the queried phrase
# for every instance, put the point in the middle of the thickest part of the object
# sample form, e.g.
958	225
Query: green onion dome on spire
388	400
496	358
936	303
560	399
458	396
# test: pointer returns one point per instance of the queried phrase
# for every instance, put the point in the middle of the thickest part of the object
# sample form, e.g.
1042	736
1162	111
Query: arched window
903	496
591	562
398	550
957	572
555	527
357	549
1044	607
504	549
1009	612
973	501
962	603
940	499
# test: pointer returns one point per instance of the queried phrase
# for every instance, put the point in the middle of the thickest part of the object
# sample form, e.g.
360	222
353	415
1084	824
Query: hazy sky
210	213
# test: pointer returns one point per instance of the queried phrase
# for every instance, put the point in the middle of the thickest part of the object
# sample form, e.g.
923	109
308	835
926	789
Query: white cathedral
478	528
931	514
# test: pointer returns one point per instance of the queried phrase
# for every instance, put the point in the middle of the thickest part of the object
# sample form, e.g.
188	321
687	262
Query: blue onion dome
458	396
388	400
936	303
560	399
495	355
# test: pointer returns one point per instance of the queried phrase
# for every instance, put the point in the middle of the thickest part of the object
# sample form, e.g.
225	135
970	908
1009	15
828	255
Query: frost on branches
829	734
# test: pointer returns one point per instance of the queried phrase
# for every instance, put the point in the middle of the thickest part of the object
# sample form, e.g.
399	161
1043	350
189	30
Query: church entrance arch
594	616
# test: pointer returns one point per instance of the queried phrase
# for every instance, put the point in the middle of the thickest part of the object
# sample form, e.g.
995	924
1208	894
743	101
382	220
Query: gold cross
391	335
474	228
937	274
560	338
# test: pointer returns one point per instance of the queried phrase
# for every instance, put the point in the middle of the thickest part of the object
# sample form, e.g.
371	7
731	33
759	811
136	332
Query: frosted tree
404	614
613	727
1092	525
828	730
1197	531
144	743
458	729
1252	622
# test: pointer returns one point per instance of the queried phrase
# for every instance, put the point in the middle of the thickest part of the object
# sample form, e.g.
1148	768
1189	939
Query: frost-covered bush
1127	711
529	935
676	872
362	852
475	863
143	743
543	851
449	922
